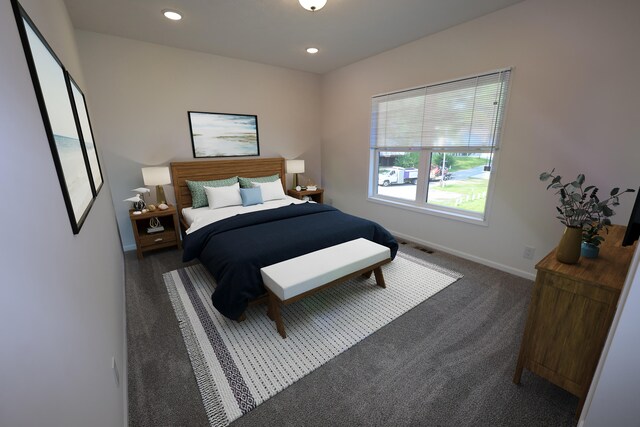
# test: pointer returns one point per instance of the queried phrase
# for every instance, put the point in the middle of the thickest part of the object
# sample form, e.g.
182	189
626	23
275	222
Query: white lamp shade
156	175
313	5
294	166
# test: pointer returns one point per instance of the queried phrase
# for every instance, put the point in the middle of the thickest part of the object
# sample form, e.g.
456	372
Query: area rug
240	365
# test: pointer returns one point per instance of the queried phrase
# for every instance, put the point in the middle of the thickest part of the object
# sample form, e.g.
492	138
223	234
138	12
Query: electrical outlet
529	252
116	374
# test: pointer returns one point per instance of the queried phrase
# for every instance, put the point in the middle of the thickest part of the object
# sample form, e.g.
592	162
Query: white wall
573	106
142	93
613	398
62	296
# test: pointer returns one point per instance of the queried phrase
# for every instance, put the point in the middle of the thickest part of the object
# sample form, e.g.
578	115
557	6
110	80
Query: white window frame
420	203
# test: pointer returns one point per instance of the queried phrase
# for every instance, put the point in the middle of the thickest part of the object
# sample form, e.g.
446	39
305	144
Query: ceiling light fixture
312	50
313	5
174	15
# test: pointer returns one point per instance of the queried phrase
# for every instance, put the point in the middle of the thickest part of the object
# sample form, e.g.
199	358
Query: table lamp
157	176
295	167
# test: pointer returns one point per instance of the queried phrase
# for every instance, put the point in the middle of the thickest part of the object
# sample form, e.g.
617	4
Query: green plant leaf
589	188
580	179
545	176
614	191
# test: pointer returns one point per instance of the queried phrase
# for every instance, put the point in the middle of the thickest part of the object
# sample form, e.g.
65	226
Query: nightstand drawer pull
159	239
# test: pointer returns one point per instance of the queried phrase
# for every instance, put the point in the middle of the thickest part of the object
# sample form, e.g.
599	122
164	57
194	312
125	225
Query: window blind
461	114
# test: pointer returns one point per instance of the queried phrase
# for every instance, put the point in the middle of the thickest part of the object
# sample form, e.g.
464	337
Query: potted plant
591	238
582	212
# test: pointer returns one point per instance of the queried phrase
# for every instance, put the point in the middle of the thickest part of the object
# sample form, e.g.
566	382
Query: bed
233	245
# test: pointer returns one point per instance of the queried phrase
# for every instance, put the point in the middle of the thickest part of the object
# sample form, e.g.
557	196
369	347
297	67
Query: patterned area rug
240	365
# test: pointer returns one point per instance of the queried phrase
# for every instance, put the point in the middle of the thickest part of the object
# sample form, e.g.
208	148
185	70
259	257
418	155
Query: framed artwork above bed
223	134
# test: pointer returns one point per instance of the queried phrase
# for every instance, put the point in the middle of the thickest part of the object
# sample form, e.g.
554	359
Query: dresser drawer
168	236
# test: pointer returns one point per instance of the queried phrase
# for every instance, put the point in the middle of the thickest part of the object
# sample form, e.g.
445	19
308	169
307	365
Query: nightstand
149	241
315	195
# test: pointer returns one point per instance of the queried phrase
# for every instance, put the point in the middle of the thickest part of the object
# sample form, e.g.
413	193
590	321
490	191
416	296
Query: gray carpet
447	362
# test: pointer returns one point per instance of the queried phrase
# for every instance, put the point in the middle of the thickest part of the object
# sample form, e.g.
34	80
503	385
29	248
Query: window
433	147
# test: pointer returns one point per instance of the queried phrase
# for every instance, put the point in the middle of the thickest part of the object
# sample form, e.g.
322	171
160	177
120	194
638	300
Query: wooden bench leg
367	274
379	277
269	311
275	312
242	318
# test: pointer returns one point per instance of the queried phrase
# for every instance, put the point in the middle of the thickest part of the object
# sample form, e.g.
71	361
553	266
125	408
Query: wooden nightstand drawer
168	236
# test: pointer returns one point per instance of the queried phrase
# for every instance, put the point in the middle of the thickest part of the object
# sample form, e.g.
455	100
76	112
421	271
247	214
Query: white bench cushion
296	276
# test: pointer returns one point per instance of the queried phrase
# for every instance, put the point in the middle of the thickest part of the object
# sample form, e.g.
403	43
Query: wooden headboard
219	169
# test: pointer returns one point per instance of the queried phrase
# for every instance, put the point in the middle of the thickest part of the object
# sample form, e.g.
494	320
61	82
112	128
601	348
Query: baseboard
128	248
125	365
479	260
483	261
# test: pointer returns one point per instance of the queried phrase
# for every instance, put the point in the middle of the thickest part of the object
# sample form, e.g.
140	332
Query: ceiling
277	32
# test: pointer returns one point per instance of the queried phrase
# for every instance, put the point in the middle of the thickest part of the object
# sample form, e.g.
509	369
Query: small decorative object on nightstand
138	203
153	234
315	195
141	191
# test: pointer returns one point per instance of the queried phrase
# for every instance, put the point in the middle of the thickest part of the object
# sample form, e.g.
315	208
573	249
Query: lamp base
160	197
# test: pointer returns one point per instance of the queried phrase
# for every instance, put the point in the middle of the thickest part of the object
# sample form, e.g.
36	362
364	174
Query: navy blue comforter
235	249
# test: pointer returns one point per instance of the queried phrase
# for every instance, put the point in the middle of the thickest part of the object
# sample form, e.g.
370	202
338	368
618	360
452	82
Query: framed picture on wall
223	135
53	93
86	133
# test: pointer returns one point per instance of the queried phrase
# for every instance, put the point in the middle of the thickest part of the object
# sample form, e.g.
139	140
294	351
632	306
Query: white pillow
271	190
219	197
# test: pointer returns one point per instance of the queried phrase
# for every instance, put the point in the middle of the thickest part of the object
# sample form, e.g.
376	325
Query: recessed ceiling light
174	15
313	5
312	50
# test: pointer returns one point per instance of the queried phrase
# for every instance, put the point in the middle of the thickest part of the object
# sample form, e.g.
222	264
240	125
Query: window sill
407	205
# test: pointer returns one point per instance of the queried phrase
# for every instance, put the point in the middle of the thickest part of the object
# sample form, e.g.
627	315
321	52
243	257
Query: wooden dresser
570	313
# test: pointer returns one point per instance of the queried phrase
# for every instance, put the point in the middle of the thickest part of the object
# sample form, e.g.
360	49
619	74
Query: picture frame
52	87
223	134
86	134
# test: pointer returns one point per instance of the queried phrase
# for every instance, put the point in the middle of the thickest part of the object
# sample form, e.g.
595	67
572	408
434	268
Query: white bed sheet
201	217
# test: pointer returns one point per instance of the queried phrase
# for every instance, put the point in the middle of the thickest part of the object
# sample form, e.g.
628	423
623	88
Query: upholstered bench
291	280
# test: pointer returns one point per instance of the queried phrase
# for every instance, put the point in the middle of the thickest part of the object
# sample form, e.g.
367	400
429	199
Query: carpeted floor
447	362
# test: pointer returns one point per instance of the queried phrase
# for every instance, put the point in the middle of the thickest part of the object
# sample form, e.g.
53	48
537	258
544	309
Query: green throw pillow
246	182
198	196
